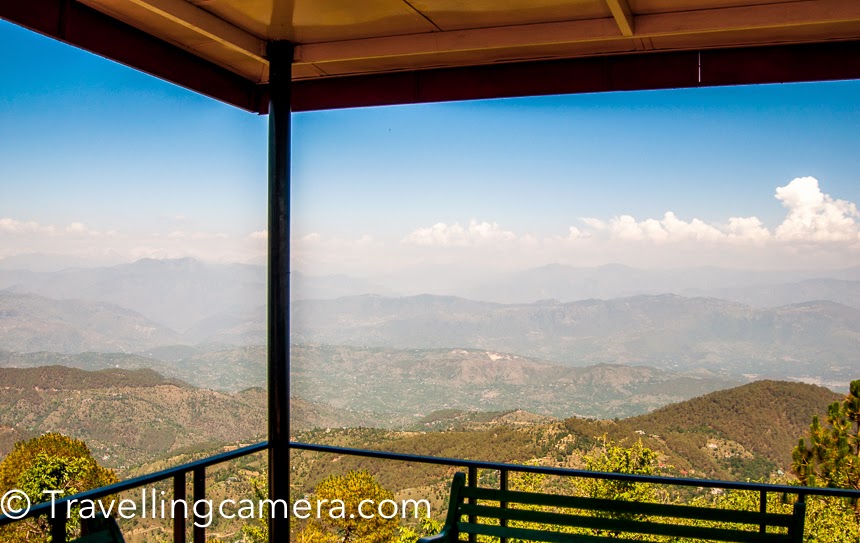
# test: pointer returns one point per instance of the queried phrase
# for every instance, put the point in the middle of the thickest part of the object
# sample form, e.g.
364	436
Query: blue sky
101	161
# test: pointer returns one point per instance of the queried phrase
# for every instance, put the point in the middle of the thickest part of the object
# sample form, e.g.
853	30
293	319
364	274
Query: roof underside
371	52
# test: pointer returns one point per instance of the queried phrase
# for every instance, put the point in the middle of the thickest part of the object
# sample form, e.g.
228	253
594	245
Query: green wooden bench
614	519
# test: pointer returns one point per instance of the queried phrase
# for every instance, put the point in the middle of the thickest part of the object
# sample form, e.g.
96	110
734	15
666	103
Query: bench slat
642	508
534	535
623	525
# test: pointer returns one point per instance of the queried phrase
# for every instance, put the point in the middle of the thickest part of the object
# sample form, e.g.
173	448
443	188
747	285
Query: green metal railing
197	469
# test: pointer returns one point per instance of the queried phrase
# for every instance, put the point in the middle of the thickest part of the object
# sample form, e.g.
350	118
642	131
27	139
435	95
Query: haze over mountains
181	292
80	348
394	387
665	331
771	288
785	324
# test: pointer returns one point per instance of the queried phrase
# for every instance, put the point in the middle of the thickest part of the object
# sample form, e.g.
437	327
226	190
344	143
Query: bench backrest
607	519
100	530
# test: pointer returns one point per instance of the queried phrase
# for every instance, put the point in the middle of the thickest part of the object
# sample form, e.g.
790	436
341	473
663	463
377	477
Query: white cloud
12	226
454	235
814	215
595	224
695	230
668	229
260	235
574	233
747	229
80	230
627	228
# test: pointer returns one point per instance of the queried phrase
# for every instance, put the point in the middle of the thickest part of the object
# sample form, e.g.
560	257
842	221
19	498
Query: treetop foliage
830	456
48	462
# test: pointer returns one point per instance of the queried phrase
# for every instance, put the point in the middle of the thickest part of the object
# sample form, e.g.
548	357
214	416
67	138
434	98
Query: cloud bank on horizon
812	217
817	231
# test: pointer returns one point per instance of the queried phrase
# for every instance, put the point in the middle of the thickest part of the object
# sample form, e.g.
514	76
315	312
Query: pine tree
831	454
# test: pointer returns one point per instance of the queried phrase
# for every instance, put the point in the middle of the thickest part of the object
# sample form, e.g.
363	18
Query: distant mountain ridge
569	284
402	384
407	384
176	293
128	417
834	290
35	323
812	341
665	331
185	293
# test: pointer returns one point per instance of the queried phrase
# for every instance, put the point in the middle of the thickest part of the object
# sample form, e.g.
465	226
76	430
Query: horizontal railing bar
137	482
567	472
129	484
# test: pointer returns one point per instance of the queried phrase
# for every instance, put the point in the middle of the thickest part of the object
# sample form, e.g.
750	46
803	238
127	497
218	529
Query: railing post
199	494
179	494
280	56
762	508
473	483
58	528
503	485
797	526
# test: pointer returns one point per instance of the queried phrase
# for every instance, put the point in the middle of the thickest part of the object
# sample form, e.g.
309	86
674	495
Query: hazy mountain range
795	324
410	383
395	387
34	323
761	288
182	293
175	293
666	331
133	417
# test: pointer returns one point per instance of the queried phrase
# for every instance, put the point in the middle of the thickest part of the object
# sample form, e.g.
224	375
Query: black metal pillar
280	55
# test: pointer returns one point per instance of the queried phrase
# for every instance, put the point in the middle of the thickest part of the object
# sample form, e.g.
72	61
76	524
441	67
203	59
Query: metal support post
280	54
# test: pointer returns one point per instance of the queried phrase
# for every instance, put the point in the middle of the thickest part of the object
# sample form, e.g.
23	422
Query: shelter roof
366	52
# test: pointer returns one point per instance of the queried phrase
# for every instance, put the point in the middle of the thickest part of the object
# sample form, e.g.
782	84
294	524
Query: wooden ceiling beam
640	71
790	14
82	26
623	16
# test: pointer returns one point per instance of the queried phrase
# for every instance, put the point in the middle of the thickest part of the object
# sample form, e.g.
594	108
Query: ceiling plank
184	14
459	40
799	13
623	16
